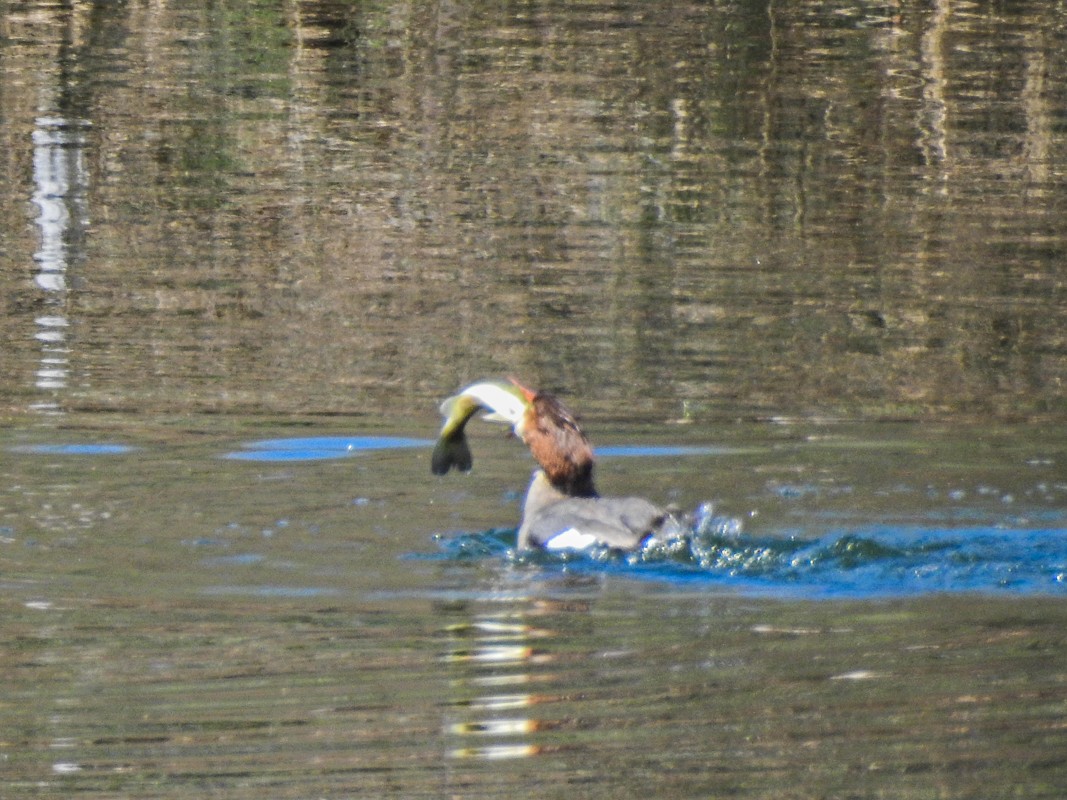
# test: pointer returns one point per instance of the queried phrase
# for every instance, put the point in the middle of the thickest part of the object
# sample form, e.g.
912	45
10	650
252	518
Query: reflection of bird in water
562	509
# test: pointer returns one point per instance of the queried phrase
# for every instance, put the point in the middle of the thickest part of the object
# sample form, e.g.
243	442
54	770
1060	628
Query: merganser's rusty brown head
557	443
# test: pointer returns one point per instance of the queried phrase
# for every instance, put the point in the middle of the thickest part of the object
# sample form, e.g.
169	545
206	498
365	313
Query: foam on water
879	560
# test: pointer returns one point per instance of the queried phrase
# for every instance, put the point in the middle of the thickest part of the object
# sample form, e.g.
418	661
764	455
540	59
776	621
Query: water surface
803	262
887	619
711	211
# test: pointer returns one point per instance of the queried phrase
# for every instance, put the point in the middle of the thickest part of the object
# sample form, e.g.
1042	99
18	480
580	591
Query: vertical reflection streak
497	650
934	121
60	181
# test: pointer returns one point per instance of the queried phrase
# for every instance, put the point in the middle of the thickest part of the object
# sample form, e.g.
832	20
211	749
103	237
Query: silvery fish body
505	402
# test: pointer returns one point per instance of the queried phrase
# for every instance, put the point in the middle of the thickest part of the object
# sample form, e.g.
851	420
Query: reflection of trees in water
59	197
742	209
61	180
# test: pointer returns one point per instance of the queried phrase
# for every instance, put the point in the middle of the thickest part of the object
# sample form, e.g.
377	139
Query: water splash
878	560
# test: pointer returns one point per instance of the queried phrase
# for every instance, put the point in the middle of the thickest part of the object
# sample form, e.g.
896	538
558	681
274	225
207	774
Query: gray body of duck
554	521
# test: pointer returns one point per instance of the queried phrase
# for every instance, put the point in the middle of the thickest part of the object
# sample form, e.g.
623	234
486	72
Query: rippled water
324	617
799	265
710	212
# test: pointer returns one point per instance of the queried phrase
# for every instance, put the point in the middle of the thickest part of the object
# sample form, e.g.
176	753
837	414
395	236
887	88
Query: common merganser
562	510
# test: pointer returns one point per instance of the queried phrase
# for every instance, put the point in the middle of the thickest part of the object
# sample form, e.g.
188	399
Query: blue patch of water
317	448
865	562
99	449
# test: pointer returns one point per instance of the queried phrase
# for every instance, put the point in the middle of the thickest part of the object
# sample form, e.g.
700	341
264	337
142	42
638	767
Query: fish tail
451	451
